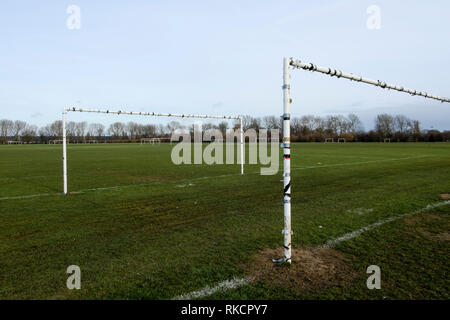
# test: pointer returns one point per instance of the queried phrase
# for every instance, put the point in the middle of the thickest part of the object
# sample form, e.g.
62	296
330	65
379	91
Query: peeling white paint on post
286	117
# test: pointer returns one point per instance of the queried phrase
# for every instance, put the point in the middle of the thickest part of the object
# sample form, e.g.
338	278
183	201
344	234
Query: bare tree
80	130
401	123
149	130
71	130
271	122
296	126
29	133
117	130
175	125
133	129
18	127
56	129
384	125
6	128
96	130
332	125
223	126
355	125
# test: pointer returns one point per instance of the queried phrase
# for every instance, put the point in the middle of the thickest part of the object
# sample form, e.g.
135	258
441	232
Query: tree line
307	128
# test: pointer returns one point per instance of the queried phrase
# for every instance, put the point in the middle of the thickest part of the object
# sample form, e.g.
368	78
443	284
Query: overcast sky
221	58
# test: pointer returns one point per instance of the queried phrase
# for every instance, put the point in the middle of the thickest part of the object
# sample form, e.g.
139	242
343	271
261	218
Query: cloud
36	115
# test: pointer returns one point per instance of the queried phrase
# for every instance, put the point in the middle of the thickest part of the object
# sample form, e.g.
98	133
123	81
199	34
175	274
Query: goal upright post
242	143
287	232
154	114
64	150
290	62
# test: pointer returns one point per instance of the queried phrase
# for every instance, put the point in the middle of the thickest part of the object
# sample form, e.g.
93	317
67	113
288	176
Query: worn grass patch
312	267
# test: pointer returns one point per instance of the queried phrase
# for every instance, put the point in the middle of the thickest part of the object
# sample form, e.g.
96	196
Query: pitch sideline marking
204	178
356	233
355	163
236	282
207	291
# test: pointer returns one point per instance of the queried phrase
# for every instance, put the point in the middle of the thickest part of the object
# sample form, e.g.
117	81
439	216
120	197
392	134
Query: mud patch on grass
431	226
445	196
312	267
444	236
430	217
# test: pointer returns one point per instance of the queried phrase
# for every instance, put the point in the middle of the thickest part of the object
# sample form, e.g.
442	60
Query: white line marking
29	196
355	163
207	291
356	233
236	282
209	177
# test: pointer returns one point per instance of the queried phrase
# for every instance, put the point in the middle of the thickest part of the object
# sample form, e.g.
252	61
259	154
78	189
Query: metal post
287	232
242	144
64	150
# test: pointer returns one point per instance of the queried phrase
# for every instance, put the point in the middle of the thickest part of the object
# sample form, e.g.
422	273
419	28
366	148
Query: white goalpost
151	114
296	64
155	140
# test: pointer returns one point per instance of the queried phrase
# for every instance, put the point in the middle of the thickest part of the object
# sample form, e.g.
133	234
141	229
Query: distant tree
223	126
149	130
132	129
6	128
56	129
117	130
29	133
96	130
71	130
384	125
18	127
80	130
271	122
355	125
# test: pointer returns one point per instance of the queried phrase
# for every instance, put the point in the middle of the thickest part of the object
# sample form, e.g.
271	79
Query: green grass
165	230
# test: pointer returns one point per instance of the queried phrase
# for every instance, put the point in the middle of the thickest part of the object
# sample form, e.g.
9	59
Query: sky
221	58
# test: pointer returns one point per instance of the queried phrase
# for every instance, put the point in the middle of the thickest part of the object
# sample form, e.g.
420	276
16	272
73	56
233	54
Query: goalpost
327	140
155	140
296	64
151	114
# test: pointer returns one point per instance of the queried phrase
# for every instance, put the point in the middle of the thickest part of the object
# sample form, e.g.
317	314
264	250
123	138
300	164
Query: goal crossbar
350	76
152	114
290	62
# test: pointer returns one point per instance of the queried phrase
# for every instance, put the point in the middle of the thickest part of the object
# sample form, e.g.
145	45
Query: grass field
140	227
